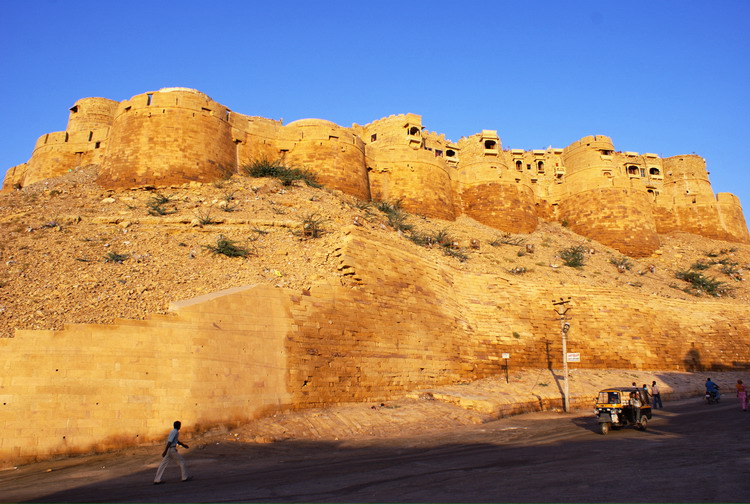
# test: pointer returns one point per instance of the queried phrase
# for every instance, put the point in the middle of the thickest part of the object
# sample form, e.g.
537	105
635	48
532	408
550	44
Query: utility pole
562	309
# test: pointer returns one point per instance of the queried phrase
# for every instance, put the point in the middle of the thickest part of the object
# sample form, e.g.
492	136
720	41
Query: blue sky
669	77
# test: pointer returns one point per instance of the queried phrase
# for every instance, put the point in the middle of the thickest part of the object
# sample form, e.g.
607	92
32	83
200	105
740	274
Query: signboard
506	356
574	357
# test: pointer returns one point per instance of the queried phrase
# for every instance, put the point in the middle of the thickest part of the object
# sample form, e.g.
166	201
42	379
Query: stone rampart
169	137
179	135
409	324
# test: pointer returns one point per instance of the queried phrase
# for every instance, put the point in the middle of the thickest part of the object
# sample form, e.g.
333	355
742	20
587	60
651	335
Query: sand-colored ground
451	407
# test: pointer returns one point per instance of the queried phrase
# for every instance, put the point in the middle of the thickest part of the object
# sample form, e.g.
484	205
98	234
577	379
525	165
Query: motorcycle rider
712	389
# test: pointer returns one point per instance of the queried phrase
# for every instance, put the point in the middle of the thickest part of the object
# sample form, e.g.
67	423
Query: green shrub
204	217
156	204
508	239
114	257
396	216
699	266
276	169
573	256
621	262
312	226
227	247
701	284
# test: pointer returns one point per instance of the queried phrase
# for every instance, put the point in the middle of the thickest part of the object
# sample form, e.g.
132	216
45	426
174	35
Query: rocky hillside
72	252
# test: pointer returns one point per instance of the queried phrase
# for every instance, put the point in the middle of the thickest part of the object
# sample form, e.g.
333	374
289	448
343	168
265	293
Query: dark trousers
657	401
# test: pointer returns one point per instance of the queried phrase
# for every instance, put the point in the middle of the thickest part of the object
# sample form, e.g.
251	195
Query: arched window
540	166
633	170
654	171
519	165
414	131
490	144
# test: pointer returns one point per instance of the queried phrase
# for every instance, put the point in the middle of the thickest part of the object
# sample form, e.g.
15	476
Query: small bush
312	226
699	266
621	262
227	247
156	204
204	217
396	216
458	254
276	169
701	284
573	256
508	239
114	257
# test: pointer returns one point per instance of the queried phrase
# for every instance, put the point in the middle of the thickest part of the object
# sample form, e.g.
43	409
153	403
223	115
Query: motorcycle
712	397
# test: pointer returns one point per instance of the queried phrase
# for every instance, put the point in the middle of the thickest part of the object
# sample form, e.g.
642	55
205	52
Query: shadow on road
560	459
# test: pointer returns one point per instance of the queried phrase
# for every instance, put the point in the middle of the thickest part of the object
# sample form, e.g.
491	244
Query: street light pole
561	309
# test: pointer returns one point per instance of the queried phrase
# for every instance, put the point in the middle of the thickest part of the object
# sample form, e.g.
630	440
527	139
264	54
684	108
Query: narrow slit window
149	98
373	137
91	135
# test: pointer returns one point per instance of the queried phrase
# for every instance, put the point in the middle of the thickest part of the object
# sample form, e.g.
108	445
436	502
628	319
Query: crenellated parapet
176	135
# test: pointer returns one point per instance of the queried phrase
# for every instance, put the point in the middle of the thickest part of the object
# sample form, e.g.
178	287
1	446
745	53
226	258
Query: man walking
656	395
170	453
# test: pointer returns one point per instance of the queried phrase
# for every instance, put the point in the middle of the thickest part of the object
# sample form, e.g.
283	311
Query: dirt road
692	452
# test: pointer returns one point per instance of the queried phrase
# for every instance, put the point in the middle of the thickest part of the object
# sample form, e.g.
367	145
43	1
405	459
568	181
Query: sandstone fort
388	318
619	198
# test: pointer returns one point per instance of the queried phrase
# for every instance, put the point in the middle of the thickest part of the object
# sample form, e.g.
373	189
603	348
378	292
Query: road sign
506	356
574	357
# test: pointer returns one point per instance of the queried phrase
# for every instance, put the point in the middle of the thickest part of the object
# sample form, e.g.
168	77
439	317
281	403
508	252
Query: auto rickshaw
613	409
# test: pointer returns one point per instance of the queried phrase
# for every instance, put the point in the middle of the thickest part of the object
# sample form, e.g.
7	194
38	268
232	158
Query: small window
373	137
528	166
97	145
149	97
438	153
332	137
519	165
540	166
228	114
91	135
632	170
450	153
490	144
66	136
643	172
654	171
414	131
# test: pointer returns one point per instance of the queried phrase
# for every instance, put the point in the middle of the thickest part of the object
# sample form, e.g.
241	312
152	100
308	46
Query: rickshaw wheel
644	422
604	427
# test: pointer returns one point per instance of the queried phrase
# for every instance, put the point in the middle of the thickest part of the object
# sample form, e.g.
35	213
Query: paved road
692	452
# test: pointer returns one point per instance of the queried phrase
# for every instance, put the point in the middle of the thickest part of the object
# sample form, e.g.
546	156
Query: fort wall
401	168
334	154
179	135
489	191
170	137
227	357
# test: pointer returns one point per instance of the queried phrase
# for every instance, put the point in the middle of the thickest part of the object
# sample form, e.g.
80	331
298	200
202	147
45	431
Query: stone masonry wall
407	324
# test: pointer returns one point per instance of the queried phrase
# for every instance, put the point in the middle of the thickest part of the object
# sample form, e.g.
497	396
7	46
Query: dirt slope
61	239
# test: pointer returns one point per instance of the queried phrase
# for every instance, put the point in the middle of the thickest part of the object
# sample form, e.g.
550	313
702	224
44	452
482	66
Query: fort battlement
176	135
